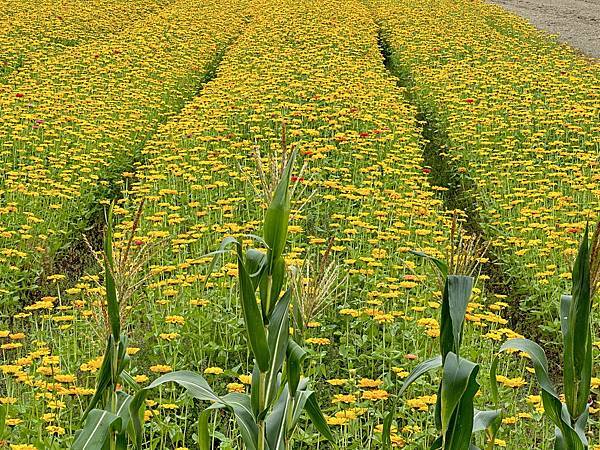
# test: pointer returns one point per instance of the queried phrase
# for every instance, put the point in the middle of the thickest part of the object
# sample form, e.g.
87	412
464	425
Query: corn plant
268	416
570	418
107	415
455	416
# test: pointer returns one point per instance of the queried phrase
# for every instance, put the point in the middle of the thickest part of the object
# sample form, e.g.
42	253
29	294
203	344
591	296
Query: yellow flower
177	320
245	379
368	383
213	371
336	421
161	368
235	387
511	382
376	394
343	398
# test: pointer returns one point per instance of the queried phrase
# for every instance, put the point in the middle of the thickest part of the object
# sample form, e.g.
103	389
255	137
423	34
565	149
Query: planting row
361	201
33	31
72	123
521	120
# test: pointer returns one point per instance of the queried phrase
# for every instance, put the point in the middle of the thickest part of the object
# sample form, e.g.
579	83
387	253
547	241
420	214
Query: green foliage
456	417
107	415
268	416
570	418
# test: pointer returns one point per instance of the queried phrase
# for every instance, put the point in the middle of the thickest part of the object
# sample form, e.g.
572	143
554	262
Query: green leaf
277	280
104	377
457	292
301	397
109	281
581	424
226	242
494	380
3	414
316	416
203	433
195	385
276	422
386	433
96	431
577	340
552	405
123	402
538	358
420	370
295	357
277	216
437	444
279	330
441	265
253	318
255	265
240	405
459	386
484	419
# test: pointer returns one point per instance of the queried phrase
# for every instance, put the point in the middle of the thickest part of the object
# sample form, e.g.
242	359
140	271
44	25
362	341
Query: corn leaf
195	385
255	265
96	431
277	216
301	397
457	292
3	414
420	370
482	420
109	281
459	386
279	330
553	407
295	357
226	242
441	265
253	318
276	421
203	433
104	378
577	340
123	402
240	405
316	417
386	432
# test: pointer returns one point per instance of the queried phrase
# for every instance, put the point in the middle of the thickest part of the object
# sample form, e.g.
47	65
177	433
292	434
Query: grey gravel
576	22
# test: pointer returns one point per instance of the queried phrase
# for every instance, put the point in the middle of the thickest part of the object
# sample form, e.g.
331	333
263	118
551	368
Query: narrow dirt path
576	22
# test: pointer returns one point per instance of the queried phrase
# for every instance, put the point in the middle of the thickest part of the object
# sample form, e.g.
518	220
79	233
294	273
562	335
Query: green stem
113	390
261	406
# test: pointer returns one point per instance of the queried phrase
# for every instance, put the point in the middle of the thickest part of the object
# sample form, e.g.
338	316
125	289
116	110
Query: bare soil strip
576	22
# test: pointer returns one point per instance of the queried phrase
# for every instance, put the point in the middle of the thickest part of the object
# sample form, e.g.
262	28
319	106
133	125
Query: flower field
447	128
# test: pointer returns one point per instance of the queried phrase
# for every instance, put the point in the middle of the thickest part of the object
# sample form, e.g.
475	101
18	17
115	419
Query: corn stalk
456	418
570	418
268	416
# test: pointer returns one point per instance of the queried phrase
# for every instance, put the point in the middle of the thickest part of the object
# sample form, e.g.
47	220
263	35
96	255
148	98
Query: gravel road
576	22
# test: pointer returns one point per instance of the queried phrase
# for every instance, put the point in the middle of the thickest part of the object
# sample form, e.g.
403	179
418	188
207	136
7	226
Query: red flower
19	95
364	134
469	101
426	170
